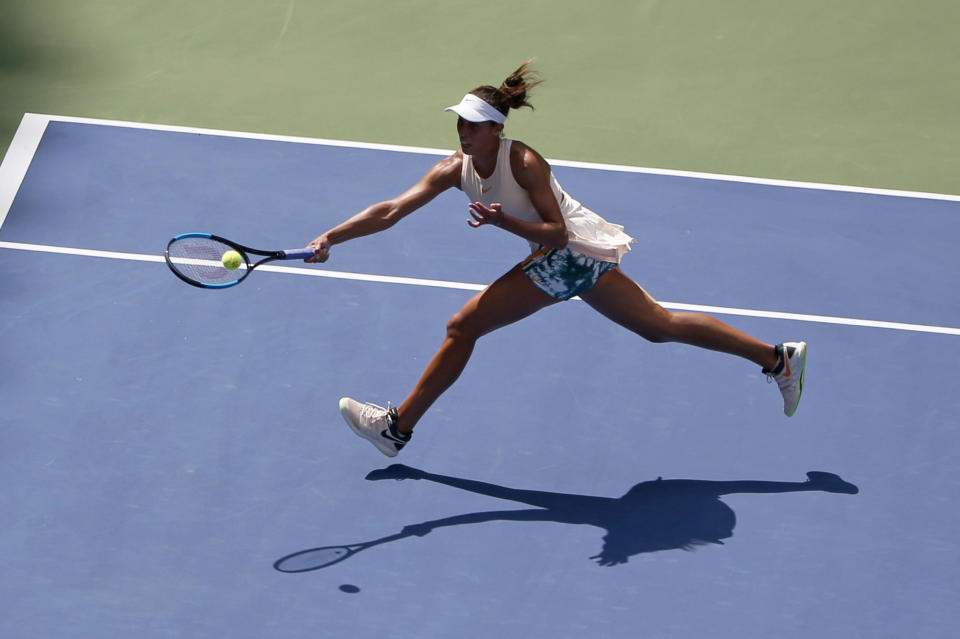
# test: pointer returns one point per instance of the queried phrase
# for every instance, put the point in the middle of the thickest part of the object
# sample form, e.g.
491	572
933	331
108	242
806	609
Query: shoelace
375	412
784	382
387	422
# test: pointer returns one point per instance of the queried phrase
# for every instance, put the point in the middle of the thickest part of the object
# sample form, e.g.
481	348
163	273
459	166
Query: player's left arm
532	173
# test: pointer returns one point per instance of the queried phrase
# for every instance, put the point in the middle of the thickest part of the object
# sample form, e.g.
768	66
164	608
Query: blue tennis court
172	456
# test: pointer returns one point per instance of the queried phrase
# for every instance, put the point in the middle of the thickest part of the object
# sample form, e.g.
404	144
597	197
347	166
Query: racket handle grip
298	254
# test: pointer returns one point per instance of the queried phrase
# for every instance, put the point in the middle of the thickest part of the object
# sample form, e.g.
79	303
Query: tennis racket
317	558
196	258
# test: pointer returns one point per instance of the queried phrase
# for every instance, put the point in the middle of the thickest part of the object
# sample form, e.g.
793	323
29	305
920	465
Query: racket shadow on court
663	514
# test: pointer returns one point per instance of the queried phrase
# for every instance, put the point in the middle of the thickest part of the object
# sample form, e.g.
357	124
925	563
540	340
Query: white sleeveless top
587	232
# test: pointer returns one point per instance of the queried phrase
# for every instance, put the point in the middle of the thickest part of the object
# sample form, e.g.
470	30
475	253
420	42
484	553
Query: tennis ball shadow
658	515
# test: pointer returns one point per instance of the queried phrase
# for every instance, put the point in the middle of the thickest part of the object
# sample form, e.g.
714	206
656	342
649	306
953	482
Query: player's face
478	137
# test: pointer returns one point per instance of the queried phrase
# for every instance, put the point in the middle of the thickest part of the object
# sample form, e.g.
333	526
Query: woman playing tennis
574	252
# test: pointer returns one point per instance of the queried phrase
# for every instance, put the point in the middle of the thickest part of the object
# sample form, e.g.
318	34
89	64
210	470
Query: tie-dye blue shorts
562	273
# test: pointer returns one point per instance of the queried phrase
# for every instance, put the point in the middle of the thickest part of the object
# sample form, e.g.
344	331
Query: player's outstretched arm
444	175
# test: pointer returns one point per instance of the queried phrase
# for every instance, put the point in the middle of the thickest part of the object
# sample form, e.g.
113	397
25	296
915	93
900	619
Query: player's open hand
483	214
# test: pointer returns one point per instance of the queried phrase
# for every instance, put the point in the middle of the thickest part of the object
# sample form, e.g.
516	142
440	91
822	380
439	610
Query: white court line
17	160
413	281
33	121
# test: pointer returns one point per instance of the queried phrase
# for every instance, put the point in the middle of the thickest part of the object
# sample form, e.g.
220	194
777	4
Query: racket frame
244	251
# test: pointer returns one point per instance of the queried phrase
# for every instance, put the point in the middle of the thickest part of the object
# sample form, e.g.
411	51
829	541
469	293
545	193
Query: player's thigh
622	300
509	299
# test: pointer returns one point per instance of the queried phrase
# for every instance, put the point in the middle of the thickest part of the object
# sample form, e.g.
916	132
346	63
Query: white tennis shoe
376	424
789	374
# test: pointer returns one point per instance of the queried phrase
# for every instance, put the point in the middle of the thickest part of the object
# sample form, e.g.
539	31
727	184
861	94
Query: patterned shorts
562	273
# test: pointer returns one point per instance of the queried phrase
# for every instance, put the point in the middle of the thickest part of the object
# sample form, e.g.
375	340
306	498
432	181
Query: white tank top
587	232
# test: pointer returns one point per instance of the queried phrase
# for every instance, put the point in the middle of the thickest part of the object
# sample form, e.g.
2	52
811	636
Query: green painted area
853	92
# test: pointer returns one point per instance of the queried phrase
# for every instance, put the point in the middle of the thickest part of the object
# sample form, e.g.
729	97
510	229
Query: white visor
474	109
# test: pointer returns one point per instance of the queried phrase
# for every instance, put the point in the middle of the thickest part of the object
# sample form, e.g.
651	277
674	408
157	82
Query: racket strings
200	259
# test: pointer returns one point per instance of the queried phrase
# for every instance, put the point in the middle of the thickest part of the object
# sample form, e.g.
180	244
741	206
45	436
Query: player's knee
459	326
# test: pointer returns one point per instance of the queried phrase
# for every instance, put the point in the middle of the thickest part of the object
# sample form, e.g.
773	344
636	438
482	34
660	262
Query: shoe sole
359	432
803	373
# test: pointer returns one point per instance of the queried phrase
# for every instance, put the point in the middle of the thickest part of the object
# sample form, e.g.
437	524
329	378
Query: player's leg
622	300
510	298
507	300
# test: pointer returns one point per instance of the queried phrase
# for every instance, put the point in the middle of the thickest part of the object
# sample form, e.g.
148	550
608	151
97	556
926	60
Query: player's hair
512	94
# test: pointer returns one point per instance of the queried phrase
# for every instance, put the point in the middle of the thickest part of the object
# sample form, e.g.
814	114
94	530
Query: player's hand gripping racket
199	259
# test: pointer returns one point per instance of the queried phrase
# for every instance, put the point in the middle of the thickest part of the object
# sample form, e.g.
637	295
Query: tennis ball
231	260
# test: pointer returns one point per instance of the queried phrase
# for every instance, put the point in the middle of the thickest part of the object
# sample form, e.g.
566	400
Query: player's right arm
444	175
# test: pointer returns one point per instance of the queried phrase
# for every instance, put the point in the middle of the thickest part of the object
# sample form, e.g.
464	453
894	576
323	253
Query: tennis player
573	252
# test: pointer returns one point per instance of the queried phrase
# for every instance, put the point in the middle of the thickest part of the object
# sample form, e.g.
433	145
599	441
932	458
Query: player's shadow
664	514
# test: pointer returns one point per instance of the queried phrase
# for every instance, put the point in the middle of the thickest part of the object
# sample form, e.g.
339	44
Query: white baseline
32	126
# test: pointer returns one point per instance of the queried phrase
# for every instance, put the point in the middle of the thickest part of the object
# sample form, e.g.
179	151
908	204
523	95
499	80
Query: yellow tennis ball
231	260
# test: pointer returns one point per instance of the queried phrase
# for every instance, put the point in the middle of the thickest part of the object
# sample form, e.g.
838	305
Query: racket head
315	558
196	258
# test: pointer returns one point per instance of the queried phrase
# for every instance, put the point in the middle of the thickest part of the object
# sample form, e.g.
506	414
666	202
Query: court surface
170	455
